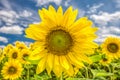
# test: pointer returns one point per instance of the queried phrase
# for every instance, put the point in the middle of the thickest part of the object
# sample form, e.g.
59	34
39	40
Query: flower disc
59	42
112	47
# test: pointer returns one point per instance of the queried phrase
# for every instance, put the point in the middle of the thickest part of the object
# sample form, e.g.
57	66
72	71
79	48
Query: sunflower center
59	42
14	55
112	47
12	70
105	59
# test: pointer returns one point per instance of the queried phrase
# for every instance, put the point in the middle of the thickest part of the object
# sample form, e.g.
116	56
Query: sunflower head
14	54
61	41
7	49
24	54
12	70
105	60
20	45
111	47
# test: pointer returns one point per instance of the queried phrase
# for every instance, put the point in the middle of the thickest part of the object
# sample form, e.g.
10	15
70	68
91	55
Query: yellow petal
79	24
57	69
74	61
52	9
35	32
60	15
41	14
37	54
41	65
64	62
72	18
49	18
70	71
49	63
83	57
66	16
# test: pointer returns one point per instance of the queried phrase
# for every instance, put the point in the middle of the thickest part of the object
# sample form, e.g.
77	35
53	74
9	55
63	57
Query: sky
16	15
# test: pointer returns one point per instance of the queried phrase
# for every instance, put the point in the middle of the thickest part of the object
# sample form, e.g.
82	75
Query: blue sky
16	15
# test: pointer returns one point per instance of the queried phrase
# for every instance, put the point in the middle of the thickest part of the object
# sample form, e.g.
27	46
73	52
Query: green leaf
96	58
104	74
78	79
100	73
32	61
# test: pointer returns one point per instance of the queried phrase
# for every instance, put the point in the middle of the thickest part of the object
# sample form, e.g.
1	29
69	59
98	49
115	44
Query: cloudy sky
16	15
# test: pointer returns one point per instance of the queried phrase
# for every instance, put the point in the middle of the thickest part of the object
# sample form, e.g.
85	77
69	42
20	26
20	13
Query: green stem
86	70
112	71
28	72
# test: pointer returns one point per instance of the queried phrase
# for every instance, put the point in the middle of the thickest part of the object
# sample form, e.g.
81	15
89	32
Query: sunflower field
63	49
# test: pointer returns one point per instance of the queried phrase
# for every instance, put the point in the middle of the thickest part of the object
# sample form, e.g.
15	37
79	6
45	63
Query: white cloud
94	8
12	29
11	17
8	16
105	32
25	13
8	13
44	2
27	43
3	39
102	37
81	13
114	29
2	46
67	3
103	17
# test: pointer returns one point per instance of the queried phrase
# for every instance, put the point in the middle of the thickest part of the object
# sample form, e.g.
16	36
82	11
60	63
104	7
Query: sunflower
20	45
105	60
7	49
111	47
14	54
24	54
12	70
61	40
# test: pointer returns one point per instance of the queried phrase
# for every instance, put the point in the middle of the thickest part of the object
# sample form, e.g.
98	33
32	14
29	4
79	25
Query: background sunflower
11	70
111	47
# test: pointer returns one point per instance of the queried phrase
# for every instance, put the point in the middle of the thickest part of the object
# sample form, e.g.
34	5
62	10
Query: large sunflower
111	47
12	70
61	40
